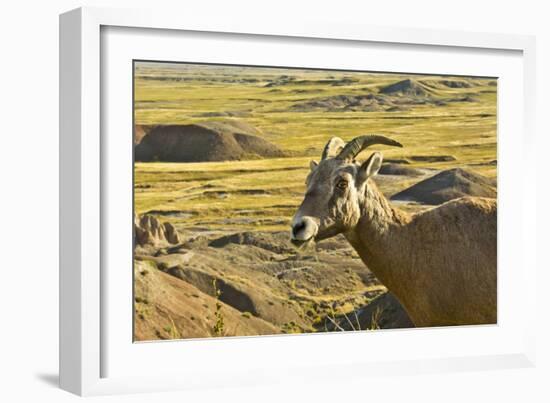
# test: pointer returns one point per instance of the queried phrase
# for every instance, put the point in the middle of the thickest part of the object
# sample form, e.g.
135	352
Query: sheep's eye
342	185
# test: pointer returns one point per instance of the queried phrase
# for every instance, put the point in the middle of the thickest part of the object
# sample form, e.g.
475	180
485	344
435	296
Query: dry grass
270	190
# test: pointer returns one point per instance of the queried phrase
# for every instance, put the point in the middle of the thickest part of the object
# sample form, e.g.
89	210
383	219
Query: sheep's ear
313	165
369	168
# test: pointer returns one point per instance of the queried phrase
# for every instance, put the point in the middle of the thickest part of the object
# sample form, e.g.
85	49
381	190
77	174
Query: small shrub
172	330
291	327
141	300
317	320
375	320
219	325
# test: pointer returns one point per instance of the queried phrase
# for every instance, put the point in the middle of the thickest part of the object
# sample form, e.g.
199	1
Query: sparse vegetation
172	330
375	321
218	315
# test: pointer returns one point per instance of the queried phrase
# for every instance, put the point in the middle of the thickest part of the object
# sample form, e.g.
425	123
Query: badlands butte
221	158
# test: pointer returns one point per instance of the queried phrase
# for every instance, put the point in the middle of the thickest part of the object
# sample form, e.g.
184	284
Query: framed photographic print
258	194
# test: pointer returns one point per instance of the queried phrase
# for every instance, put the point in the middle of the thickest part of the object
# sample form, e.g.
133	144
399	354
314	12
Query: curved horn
333	147
358	144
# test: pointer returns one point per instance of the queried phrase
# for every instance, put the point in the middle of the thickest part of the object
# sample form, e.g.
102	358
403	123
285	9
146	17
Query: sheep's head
335	189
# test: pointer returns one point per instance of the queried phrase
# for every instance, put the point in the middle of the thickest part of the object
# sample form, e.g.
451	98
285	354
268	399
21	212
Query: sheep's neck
376	238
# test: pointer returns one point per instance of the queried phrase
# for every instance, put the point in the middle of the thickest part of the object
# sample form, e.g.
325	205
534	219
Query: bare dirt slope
168	308
447	185
407	87
263	284
207	141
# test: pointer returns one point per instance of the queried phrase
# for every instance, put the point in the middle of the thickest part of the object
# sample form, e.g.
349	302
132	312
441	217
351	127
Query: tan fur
441	264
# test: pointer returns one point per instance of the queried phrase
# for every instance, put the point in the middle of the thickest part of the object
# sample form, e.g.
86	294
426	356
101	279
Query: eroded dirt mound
168	308
208	141
398	97
447	83
150	231
399	169
448	185
288	80
273	242
432	158
261	276
406	87
140	131
365	103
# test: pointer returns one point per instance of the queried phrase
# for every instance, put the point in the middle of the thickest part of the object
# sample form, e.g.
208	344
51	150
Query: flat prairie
234	273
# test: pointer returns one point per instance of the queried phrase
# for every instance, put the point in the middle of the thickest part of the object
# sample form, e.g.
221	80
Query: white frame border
80	302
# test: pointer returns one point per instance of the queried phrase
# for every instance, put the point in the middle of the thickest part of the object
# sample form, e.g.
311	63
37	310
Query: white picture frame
85	343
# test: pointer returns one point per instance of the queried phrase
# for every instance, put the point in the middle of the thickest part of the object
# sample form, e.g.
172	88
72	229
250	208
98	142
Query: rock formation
148	230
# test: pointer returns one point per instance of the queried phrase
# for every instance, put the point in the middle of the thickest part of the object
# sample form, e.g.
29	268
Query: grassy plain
262	194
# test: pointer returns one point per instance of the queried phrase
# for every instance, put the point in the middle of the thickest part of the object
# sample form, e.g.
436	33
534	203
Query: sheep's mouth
318	235
303	243
327	232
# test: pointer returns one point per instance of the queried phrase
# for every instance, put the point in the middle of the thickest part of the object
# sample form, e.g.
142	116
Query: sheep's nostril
298	227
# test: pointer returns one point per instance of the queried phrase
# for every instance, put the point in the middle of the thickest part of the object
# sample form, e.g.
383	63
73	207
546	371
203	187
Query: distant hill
399	169
206	141
448	185
447	83
399	96
406	87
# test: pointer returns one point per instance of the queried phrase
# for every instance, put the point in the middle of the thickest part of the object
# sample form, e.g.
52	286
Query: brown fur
441	263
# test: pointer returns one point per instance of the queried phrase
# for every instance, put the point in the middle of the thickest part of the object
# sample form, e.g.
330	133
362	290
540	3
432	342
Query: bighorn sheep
441	263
